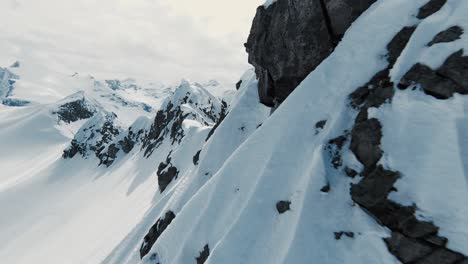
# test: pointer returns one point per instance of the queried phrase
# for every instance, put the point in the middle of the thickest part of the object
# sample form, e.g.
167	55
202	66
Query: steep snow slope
233	219
59	204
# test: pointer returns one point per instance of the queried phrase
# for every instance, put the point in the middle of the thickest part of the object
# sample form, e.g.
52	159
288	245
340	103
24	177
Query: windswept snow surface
234	212
57	210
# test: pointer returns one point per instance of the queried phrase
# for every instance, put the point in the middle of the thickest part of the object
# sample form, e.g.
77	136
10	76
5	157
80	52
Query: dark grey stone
430	8
455	68
441	256
204	254
407	249
283	206
155	232
365	142
448	35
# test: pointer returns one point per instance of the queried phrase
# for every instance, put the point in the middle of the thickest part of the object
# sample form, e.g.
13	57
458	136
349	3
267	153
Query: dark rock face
412	240
340	234
283	206
166	173
343	12
223	114
365	142
334	148
96	140
450	78
155	232
290	38
196	158
74	111
448	35
204	254
238	84
430	8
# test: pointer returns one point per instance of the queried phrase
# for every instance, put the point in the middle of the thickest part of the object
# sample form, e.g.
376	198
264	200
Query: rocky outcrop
290	38
448	35
204	254
166	173
155	232
73	111
450	78
96	137
412	240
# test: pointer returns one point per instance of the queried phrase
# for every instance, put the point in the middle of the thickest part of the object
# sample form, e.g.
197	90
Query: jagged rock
441	256
437	240
204	254
338	235
334	148
166	173
431	83
350	172
407	249
343	12
374	188
448	35
284	48
398	43
238	84
455	68
73	111
451	77
365	142
283	206
196	157
430	8
326	188
108	157
290	38
155	232
223	114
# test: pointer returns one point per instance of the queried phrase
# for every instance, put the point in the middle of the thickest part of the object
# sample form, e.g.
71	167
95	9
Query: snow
234	212
74	211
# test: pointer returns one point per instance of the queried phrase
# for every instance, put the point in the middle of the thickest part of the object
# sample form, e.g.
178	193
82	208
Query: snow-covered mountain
345	144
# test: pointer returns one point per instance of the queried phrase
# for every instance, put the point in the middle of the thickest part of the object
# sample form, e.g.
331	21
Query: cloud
159	40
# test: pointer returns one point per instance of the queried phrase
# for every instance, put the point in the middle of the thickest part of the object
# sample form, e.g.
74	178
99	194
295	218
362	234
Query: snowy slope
60	204
365	162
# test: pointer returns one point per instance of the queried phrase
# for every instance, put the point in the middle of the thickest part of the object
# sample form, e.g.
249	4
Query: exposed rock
283	206
451	77
196	157
340	234
223	114
407	249
204	254
350	172
291	38
441	256
107	158
430	8
448	35
155	232
398	43
432	83
73	111
342	13
238	84
166	173
365	142
374	188
334	148
321	124
16	64
326	188
455	68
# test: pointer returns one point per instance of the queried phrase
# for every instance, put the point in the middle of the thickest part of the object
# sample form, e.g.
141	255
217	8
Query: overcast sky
150	40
